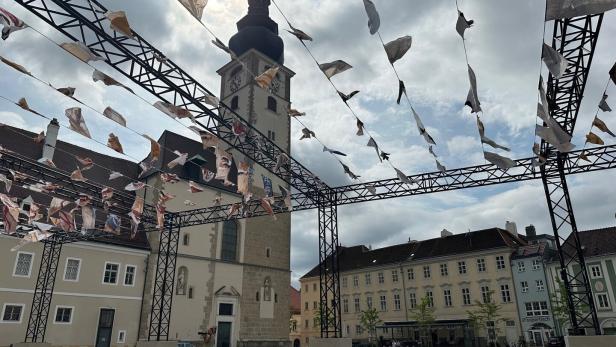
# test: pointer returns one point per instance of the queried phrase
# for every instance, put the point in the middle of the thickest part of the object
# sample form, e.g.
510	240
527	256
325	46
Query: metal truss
575	39
330	319
146	66
164	282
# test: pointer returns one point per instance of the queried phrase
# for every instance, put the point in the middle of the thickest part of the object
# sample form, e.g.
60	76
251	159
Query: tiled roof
595	242
295	302
358	257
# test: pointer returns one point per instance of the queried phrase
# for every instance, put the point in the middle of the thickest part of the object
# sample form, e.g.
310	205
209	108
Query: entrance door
538	338
105	327
223	337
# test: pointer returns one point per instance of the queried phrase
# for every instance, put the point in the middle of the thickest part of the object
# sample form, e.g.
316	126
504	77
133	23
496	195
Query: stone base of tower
331	342
590	341
264	343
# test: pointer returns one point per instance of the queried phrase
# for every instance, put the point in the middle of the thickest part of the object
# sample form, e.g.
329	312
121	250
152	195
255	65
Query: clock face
234	82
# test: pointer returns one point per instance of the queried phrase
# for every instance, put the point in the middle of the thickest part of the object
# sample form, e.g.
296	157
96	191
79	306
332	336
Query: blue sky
504	50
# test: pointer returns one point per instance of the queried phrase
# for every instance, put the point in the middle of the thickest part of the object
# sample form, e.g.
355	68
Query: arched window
235	102
271	104
229	241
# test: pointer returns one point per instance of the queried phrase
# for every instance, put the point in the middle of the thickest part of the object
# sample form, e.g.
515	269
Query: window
410	274
430	298
268	252
369	302
23	264
71	269
271	135
272	105
12	313
381	278
190	292
345	283
356	304
462	267
235	102
540	285
111	273
536	308
447	296
228	251
485	294
426	271
345	305
397	302
306	286
368	279
413	300
129	275
306	326
186	239
64	315
505	295
595	271
314	305
481	265
444	271
500	262
355	281
536	264
122	336
466	296
314	287
394	276
603	301
305	304
383	303
225	309
521	266
524	286
358	329
258	298
348	329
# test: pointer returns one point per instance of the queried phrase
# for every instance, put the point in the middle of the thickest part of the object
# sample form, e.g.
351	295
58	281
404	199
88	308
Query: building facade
454	272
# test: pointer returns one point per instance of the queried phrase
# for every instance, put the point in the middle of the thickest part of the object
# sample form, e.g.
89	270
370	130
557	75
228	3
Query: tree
560	308
423	314
369	320
319	315
486	315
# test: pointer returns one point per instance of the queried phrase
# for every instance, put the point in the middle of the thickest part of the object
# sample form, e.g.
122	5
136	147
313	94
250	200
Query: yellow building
453	271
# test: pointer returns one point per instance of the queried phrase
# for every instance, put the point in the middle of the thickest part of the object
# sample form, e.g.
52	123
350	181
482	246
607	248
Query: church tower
264	300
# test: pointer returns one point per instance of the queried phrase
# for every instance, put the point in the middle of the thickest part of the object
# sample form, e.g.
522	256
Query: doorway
223	336
105	327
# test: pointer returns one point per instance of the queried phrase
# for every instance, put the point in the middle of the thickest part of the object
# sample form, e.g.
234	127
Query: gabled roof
295	302
595	242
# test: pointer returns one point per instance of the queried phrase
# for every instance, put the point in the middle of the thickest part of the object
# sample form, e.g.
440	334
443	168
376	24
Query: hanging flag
77	122
169	177
113	224
360	128
81	51
239	129
154	148
195	7
113	175
401	90
334	68
211	100
47	162
432	151
135	214
307	133
267	186
10	23
557	9
302	36
373	144
462	24
160	215
503	163
487	140
537	151
422	129
189	203
286	197
374	22
34	213
371	189
39	138
583	156
384	155
222	46
234	209
15	66
550	137
267	206
113	142
8	183
180	160
599	124
346	97
613	73
134	186
594	139
207	175
114	116
556	63
88	218
348	171
440	166
472	99
295	113
164	197
194	187
264	80
207	139
106	193
404	178
325	149
108	80
242	177
77	176
119	23
10	214
603	104
554	134
281	162
224	161
68	91
87	163
41	233
397	48
172	110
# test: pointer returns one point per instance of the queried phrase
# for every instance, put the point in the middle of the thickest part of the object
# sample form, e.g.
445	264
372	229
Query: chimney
445	233
530	231
511	228
51	137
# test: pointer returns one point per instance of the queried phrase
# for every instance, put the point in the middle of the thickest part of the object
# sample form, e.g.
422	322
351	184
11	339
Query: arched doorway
296	343
608	326
539	334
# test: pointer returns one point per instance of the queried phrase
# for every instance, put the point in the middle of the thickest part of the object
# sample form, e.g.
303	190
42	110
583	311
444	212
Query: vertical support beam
582	311
41	300
164	281
331	325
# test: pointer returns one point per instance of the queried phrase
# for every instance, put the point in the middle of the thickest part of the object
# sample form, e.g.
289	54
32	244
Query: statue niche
267	289
182	280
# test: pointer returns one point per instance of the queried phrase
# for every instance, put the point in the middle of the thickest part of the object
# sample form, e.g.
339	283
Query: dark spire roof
257	30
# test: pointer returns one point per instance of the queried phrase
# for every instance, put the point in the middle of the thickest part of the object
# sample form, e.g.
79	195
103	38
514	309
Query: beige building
453	271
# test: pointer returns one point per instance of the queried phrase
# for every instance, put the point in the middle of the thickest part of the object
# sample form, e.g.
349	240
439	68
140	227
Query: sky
504	47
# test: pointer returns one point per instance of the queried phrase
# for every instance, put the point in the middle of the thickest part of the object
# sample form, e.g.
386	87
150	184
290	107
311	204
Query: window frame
500	262
117	275
444	269
55	316
394	276
524	286
466	294
430	296
412	300
536	264
505	293
355	281
17	261
485	294
592	272
427	272
120	332
21	313
607	300
447	297
481	265
462	266
521	268
66	268
397	303
134	275
368	278
381	277
356	304
542	288
272	102
345	305
383	302
225	258
410	273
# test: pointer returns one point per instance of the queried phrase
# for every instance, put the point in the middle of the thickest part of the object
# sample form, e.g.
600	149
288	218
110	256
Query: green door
223	334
